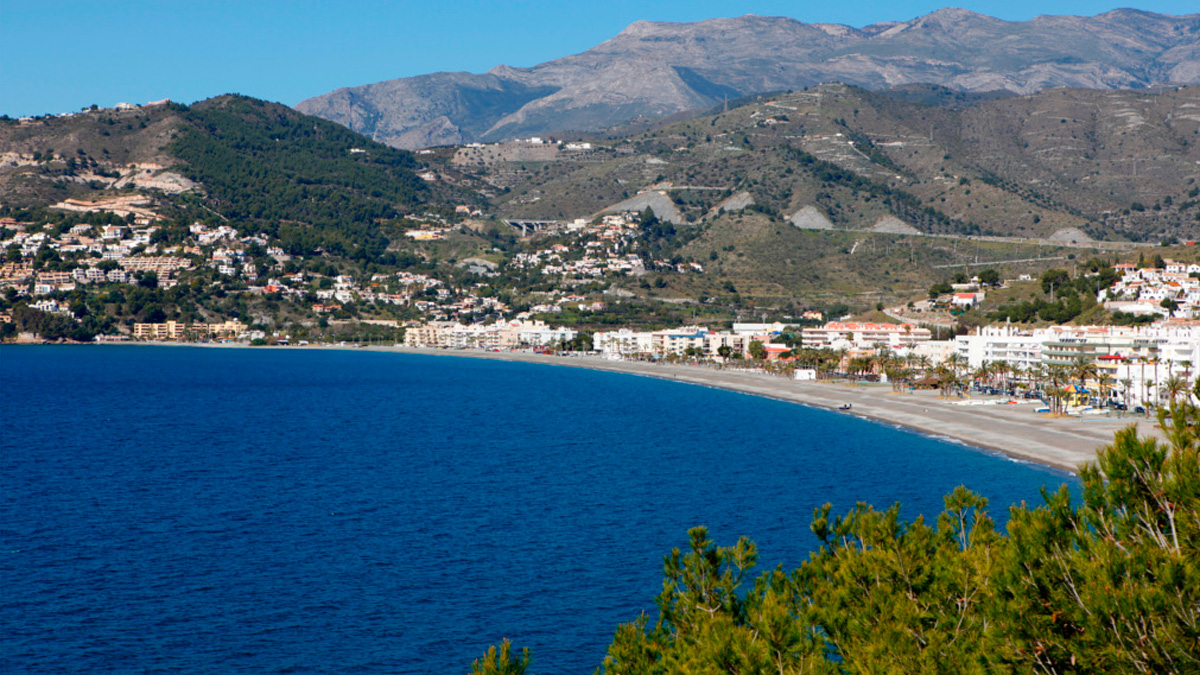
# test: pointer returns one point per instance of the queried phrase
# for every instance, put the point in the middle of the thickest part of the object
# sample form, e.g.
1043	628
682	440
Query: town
54	270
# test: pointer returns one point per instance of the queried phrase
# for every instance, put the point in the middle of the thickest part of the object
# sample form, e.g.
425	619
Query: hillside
652	70
836	199
1071	164
838	192
308	182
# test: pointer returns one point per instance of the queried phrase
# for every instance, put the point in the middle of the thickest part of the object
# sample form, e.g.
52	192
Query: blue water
219	510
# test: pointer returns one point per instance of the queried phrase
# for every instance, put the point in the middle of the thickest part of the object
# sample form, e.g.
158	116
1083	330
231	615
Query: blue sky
62	55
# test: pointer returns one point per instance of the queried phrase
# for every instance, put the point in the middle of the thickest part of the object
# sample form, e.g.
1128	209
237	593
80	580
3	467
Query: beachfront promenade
1015	430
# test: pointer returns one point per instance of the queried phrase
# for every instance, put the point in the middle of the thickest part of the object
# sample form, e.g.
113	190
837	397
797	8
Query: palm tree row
1055	382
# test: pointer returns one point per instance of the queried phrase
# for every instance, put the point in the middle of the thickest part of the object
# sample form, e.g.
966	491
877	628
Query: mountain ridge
655	69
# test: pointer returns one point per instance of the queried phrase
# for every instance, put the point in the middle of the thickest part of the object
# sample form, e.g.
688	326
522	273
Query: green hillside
312	183
261	166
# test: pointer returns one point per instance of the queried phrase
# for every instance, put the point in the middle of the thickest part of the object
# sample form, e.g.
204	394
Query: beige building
177	330
156	264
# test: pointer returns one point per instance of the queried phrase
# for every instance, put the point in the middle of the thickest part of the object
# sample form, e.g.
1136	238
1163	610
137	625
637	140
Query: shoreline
1014	431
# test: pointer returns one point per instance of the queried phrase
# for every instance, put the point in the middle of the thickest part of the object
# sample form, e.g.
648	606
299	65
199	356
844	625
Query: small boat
844	407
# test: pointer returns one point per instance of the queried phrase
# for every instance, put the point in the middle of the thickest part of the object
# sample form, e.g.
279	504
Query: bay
192	509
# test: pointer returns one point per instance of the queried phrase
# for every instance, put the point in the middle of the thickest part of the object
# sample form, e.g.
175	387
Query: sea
187	509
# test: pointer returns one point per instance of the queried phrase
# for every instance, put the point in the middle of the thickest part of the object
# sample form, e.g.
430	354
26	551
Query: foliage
50	326
659	239
502	661
1072	296
312	183
757	351
1127	319
1109	585
580	343
940	288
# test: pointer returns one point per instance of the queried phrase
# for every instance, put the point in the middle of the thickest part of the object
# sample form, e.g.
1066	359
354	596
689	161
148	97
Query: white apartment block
1000	343
1141	357
622	342
625	342
865	335
500	335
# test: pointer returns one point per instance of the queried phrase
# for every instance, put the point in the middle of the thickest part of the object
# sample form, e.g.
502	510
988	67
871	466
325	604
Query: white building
866	335
1133	361
622	342
759	328
499	335
1000	343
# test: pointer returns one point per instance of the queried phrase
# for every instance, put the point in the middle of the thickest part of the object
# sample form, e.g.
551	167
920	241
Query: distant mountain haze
656	69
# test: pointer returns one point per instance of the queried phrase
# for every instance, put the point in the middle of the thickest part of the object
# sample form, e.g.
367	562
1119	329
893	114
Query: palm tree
824	368
1016	376
981	374
947	378
1001	369
1105	382
1058	377
1173	387
859	365
883	353
1083	368
1036	374
897	374
956	362
1154	360
840	356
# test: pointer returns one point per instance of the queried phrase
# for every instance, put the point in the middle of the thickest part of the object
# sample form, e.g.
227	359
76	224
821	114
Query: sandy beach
1015	430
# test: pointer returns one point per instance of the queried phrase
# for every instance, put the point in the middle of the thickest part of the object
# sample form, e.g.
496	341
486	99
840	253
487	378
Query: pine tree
1111	584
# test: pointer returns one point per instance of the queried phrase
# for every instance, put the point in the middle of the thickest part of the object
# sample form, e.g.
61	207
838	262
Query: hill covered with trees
310	183
260	166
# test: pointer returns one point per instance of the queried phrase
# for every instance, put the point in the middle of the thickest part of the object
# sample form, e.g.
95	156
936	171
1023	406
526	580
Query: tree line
309	182
1110	583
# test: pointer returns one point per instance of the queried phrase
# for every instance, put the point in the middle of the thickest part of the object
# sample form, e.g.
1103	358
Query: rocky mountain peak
660	68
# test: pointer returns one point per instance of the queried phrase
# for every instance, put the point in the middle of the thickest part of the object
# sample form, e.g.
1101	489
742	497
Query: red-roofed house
965	300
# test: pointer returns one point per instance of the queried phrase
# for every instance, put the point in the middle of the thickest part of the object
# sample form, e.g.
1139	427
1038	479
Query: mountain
657	69
264	166
838	189
1062	163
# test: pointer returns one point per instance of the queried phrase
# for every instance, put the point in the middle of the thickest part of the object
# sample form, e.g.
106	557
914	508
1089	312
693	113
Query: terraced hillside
1064	164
